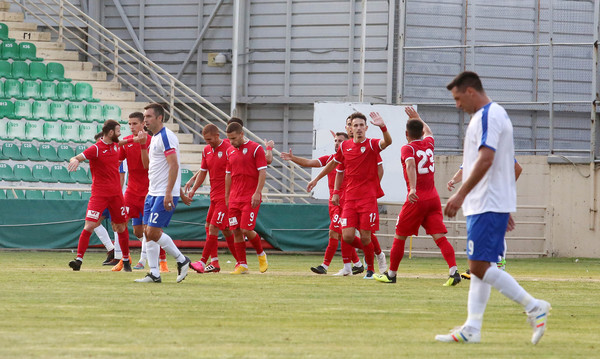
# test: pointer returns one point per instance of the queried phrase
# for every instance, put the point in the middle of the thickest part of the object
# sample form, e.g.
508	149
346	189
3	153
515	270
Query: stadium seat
48	90
60	174
40	110
22	109
125	130
7	109
5	69
100	125
70	132
185	176
87	131
48	153
111	112
34	194
6	172
12	88
4	33
20	70
58	111
48	194
12	151
28	51
16	129
76	112
80	175
65	152
3	132
65	91
2	194
93	112
86	195
23	173
10	50
84	92
34	130
37	71
15	194
30	152
31	89
56	71
41	173
80	148
71	195
52	132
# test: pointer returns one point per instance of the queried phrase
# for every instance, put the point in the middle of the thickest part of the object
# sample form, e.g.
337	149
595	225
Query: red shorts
135	205
334	216
115	205
242	215
361	214
426	213
217	214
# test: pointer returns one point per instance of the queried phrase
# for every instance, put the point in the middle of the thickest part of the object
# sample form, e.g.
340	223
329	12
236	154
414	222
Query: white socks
348	267
508	286
143	254
392	273
152	250
325	266
479	294
118	252
452	270
102	233
167	244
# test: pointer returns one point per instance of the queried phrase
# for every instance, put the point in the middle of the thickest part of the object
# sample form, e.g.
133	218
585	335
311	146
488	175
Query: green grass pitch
49	311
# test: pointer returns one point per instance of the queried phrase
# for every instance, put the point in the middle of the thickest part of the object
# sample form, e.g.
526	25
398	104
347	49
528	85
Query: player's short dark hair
358	115
466	79
109	125
159	110
234	127
210	129
414	128
343	134
137	115
235	120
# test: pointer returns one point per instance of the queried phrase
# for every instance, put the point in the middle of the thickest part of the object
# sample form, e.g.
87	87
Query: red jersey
243	164
360	168
422	153
138	182
324	160
104	164
214	160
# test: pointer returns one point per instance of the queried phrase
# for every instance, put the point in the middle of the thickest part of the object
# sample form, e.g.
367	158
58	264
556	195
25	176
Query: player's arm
414	115
74	162
339	178
173	172
378	121
269	151
227	187
301	161
518	170
256	197
199	178
326	170
411	173
187	200
380	171
142	138
485	158
455	179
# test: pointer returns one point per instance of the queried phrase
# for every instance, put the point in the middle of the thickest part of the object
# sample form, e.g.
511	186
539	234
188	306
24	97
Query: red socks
84	242
396	254
347	252
375	241
211	244
447	251
369	256
240	251
162	254
256	243
231	245
124	243
330	251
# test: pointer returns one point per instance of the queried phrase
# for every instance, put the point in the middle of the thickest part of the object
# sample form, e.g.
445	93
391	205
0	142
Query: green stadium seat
10	50
80	175
48	194
100	125
23	173
86	195
7	109
76	112
6	172
3	131
65	152
48	153
71	195
31	89
48	90
185	176
87	131
40	110
34	194
23	109
2	194
4	33
56	71
84	92
125	130
15	194
59	111
30	152
52	132
5	69
60	174
34	130
28	51
20	70
12	88
80	148
70	132
65	91
37	71
16	129
93	112
111	112
12	151
41	173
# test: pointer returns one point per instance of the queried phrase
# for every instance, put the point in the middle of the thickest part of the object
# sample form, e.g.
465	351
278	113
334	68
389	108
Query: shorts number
153	217
124	211
372	217
470	247
251	216
425	156
336	218
220	217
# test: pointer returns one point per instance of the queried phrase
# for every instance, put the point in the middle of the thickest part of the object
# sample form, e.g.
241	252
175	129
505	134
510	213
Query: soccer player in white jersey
163	194
488	195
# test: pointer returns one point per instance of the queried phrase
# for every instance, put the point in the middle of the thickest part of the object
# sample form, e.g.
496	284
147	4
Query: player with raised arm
164	191
422	206
244	180
487	196
106	192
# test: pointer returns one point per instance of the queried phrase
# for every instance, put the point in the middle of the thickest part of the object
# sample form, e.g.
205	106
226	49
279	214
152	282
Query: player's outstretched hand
377	119
412	196
142	137
287	155
73	164
311	186
188	186
333	134
453	205
450	185
269	143
412	113
511	223
187	200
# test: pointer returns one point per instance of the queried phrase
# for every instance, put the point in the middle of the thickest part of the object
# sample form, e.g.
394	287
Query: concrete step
76	65
189	157
21	35
194	167
11	17
191	147
80	75
50	45
106	85
4	5
20	25
57	55
185	138
173	127
107	95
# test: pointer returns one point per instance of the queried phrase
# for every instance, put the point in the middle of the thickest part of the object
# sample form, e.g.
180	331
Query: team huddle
237	170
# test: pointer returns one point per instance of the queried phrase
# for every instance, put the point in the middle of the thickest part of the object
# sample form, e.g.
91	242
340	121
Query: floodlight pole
363	40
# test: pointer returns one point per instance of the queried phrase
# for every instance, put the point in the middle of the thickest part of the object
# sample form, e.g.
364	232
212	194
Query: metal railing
152	83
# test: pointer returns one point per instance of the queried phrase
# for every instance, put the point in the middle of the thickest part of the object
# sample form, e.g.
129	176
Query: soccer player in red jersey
422	206
106	192
244	180
214	162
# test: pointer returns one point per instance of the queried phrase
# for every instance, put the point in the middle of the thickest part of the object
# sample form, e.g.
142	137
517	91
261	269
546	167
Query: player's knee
138	231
